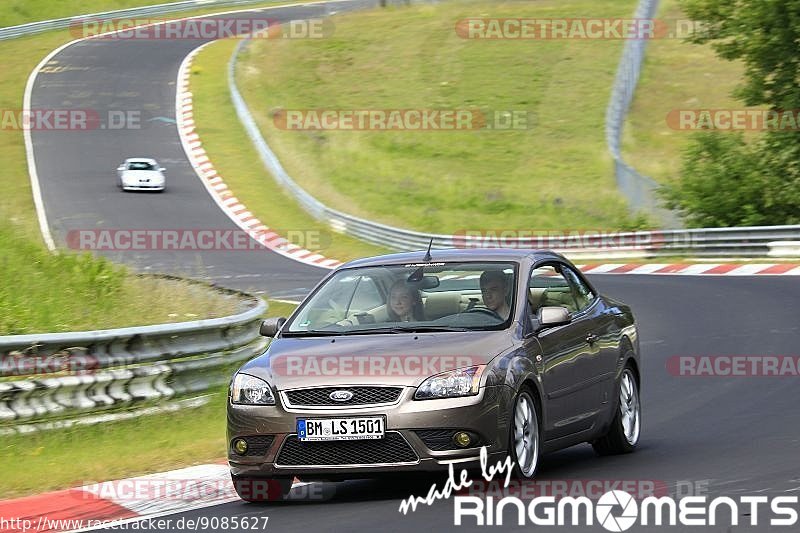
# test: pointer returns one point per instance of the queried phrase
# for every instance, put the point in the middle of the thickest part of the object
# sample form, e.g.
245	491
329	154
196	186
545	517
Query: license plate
320	429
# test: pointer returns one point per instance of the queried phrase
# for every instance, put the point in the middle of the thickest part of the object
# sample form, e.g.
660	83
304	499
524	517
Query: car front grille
361	396
391	449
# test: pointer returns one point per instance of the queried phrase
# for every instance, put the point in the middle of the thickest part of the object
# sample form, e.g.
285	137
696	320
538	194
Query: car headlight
250	390
452	384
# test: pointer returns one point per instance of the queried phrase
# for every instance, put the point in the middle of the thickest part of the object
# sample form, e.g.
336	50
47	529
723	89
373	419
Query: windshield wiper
408	329
313	333
431	328
391	330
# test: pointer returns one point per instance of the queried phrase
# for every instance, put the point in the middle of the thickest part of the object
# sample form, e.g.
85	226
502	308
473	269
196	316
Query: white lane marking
36	190
647	269
601	269
747	270
692	270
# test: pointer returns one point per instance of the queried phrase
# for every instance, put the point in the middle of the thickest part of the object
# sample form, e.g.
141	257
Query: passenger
494	288
405	303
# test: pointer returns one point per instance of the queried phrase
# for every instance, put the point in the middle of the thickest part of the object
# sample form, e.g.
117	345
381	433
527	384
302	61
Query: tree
765	36
763	175
720	183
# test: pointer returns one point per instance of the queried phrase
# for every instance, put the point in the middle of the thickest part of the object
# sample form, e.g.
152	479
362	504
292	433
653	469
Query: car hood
136	175
380	359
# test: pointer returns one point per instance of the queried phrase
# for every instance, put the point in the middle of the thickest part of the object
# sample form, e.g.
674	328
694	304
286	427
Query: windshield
398	298
140	165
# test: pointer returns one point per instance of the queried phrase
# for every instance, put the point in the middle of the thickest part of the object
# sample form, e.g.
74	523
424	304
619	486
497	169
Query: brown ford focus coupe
412	362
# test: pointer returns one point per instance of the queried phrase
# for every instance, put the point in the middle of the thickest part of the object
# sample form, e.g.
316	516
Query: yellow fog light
240	446
462	438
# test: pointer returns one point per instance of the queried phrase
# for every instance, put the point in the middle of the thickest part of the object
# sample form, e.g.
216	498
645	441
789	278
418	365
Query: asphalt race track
732	435
77	169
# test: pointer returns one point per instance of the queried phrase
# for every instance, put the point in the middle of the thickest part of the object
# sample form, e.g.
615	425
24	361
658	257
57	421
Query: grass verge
63	293
52	460
676	75
554	175
70	292
235	159
16	12
59	459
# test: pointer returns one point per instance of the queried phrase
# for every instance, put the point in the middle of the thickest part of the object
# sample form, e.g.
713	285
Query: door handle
591	338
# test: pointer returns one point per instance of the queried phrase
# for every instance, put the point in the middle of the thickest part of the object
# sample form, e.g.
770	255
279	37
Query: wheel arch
626	345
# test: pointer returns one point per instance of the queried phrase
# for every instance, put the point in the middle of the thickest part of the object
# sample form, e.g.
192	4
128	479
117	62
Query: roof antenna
427	258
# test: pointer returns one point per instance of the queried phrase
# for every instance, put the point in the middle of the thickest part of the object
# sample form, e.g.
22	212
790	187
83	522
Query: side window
366	297
583	294
547	287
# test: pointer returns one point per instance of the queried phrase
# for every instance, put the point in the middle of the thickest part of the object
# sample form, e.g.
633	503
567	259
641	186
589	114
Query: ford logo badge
340	395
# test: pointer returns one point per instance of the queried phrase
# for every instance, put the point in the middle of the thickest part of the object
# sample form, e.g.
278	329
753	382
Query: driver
494	289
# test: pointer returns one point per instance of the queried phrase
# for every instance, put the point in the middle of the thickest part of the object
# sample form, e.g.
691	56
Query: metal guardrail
706	242
639	190
12	32
67	375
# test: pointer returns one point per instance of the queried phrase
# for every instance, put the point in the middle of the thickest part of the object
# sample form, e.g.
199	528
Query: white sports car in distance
141	174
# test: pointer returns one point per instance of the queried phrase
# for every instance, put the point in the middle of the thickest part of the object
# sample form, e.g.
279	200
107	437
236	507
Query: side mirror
429	282
121	167
162	169
271	326
551	316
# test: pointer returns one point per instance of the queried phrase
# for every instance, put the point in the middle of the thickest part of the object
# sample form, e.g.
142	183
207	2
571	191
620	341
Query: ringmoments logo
618	510
615	510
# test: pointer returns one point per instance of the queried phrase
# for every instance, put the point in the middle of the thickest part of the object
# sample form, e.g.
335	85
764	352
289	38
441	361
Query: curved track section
77	169
732	436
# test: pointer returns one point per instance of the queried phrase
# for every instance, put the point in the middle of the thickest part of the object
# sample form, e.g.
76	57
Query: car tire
525	435
262	489
625	430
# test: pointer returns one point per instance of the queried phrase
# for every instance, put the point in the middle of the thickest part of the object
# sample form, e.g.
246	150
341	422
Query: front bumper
483	415
141	187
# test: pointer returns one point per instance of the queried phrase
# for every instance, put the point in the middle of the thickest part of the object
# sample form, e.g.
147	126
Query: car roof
457	254
140	160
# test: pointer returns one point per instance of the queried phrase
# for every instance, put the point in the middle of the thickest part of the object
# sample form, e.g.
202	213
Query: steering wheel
485	311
